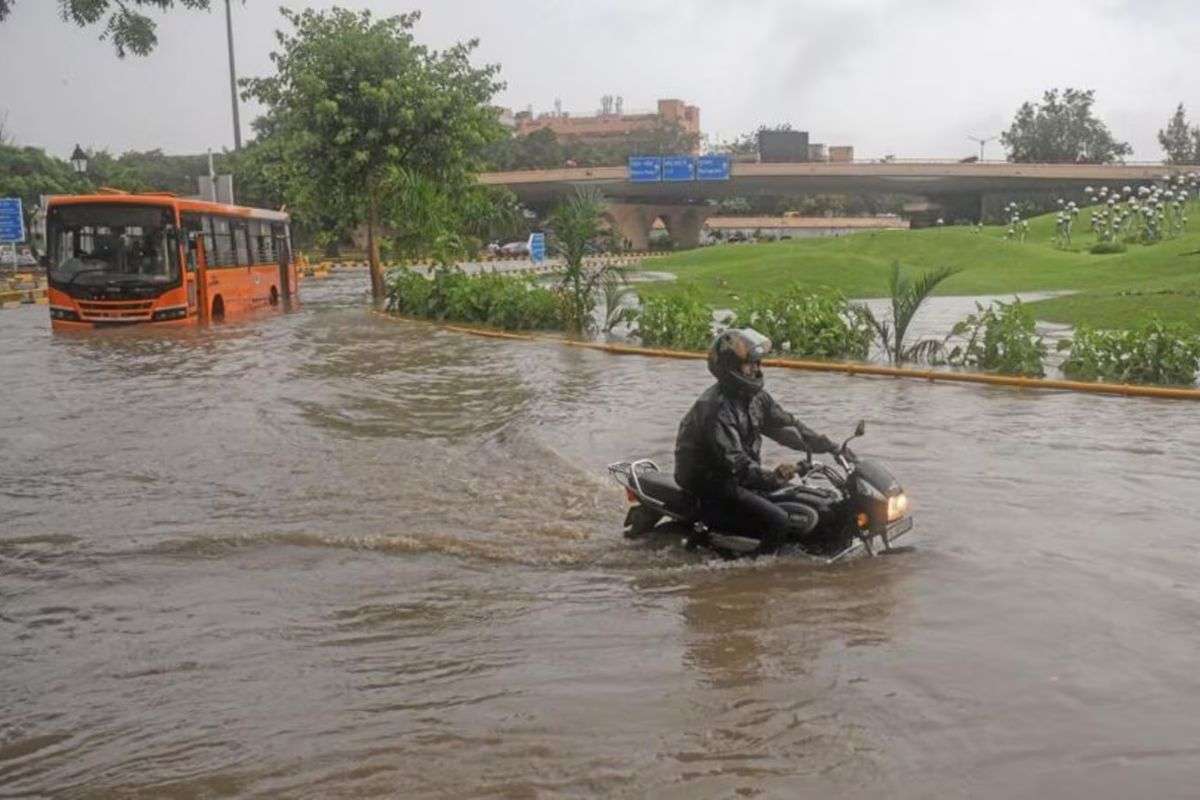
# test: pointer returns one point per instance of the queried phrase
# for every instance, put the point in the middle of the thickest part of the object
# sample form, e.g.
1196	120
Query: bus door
192	275
198	291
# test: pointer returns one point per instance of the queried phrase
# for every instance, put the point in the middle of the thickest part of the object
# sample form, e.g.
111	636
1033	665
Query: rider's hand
785	471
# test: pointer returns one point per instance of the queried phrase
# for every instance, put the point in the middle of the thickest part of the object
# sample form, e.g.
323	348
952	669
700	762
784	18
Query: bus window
112	243
193	226
210	241
261	242
224	254
240	244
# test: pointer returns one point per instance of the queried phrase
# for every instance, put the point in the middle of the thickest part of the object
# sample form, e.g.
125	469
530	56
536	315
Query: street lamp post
79	160
237	125
982	141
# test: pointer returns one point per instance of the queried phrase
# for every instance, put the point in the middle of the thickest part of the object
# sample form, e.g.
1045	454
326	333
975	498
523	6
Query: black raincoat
718	448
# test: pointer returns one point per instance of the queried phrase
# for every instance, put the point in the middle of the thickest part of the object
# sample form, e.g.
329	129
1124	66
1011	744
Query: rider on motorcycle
717	450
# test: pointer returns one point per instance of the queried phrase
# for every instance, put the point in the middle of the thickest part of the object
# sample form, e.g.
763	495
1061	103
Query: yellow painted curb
846	368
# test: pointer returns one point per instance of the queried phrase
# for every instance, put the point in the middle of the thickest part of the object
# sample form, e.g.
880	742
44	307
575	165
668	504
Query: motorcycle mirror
861	429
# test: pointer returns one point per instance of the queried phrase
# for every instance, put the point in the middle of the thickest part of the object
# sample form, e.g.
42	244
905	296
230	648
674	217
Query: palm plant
616	288
574	225
907	297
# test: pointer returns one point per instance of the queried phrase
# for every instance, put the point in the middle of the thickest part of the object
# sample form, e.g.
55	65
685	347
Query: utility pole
982	142
237	125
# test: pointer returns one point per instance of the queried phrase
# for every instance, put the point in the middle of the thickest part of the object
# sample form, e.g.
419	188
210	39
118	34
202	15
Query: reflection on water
326	553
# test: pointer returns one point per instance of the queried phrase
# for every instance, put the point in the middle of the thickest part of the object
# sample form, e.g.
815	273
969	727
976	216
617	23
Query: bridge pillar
632	222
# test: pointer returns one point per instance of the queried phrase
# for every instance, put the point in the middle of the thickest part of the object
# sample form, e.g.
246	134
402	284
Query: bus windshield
103	243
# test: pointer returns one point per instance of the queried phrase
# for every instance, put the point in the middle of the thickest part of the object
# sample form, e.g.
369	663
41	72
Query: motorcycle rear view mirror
859	430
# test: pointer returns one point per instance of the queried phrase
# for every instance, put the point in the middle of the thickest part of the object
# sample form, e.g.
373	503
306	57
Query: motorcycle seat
662	487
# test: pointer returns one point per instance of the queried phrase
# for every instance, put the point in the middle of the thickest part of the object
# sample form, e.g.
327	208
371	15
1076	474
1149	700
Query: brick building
609	125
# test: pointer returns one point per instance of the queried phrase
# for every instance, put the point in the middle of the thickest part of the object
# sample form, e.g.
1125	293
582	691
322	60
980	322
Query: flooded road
331	554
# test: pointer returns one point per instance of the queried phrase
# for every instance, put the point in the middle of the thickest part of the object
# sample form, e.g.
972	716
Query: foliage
1000	338
809	323
1064	221
369	121
29	173
544	149
615	288
907	296
681	322
660	242
1180	141
574	225
746	145
501	301
1017	228
1062	129
1155	352
1147	215
443	226
130	30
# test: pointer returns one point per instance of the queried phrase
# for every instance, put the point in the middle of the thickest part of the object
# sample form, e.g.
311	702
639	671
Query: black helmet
733	349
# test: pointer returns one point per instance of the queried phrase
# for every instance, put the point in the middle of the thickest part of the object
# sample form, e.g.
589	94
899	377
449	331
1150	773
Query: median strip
846	368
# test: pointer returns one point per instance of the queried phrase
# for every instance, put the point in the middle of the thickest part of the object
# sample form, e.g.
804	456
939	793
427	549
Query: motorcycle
852	506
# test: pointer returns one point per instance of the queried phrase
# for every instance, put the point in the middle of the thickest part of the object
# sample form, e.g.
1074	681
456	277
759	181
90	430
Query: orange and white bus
118	259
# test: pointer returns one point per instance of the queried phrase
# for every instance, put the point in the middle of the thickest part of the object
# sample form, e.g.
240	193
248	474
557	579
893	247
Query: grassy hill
1115	290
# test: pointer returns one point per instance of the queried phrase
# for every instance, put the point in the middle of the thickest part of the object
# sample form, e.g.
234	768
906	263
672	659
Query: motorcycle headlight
897	506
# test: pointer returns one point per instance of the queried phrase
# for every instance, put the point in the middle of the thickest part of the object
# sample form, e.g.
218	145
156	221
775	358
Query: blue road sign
678	168
712	168
645	169
537	247
12	221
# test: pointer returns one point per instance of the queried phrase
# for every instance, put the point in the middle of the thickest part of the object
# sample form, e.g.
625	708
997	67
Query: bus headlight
58	312
179	312
897	506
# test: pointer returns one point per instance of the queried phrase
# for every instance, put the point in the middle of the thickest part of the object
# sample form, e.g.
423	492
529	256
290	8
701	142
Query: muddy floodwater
328	554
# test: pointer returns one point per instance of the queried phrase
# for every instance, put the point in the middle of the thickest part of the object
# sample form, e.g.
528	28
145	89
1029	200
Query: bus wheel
218	309
274	296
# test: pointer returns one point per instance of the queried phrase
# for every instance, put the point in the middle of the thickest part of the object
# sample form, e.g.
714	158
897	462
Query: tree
538	150
369	120
746	145
1062	129
29	173
130	30
1178	140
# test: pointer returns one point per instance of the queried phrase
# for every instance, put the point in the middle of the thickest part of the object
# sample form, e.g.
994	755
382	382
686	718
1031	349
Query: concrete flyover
681	206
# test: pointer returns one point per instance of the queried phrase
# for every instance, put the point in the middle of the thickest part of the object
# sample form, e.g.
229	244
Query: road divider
846	368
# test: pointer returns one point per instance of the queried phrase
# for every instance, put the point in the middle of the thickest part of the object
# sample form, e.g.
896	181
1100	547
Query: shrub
808	324
502	301
1156	353
1000	338
1106	248
682	322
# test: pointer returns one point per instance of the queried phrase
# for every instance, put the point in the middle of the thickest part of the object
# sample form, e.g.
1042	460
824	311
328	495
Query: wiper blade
83	272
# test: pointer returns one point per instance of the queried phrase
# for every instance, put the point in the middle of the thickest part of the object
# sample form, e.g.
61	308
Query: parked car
515	249
24	257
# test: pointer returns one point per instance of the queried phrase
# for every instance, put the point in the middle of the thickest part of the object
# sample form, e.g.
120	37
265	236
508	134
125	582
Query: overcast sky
907	77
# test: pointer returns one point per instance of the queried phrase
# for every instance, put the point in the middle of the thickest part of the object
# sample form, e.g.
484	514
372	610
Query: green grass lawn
1115	290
